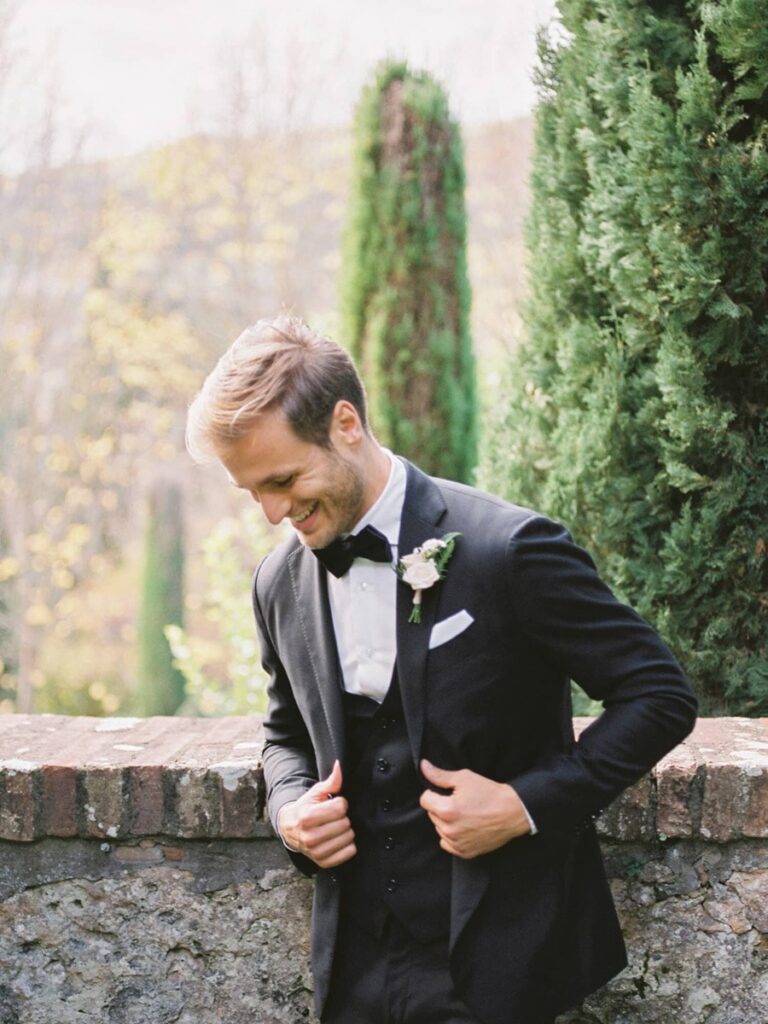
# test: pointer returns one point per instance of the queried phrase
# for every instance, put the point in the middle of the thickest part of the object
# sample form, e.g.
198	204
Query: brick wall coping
123	778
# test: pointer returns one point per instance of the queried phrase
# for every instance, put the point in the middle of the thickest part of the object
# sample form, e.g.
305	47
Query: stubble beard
344	498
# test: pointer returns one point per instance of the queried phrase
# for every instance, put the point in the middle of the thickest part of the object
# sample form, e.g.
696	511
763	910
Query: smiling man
419	757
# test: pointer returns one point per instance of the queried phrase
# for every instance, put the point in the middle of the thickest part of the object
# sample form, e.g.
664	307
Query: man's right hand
317	824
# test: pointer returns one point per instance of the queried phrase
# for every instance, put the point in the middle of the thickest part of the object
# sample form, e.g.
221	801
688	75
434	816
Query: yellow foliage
9	567
79	534
97	691
62	577
58	462
55	515
77	496
38	615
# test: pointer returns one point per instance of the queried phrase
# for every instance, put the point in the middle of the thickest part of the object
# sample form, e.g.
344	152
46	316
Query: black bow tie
369	543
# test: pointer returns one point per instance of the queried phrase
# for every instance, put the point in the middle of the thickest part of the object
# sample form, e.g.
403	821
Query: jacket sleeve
564	608
288	759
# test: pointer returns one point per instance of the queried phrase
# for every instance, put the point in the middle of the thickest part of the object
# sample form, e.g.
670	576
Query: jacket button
391	885
389	843
333	876
382	764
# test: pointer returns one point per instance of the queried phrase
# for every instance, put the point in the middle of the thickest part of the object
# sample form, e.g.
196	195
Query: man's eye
286	481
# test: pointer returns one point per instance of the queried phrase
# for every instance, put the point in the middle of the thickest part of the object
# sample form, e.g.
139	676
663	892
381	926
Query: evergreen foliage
638	400
405	291
161	685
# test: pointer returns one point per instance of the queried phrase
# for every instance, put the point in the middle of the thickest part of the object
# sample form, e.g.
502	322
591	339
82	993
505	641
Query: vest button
383	764
386	805
391	885
389	843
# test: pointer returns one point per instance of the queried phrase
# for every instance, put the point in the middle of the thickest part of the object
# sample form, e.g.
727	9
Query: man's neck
377	472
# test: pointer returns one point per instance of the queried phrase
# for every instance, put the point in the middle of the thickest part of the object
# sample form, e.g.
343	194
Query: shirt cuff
531	822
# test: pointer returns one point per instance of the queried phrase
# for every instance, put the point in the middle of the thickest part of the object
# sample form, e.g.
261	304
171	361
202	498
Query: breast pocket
454	639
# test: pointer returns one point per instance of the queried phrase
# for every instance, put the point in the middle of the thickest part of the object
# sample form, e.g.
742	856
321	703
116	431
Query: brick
241	799
724	802
631	816
146	810
19	782
139	854
102	814
196	800
59	801
674	809
756	817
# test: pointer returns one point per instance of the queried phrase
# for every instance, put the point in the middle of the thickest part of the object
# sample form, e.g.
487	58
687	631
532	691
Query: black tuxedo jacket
533	927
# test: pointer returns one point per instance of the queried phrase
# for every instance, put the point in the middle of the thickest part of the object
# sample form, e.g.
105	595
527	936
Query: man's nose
274	506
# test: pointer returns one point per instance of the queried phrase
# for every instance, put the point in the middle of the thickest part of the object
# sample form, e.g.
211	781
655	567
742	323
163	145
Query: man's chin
313	541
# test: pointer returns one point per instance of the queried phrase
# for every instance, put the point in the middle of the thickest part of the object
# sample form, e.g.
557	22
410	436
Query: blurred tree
95	390
160	684
219	658
638	404
405	292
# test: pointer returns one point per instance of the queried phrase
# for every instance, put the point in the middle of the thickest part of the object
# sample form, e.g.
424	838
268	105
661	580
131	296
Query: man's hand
478	816
317	824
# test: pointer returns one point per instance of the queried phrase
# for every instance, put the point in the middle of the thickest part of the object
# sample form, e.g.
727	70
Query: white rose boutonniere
424	567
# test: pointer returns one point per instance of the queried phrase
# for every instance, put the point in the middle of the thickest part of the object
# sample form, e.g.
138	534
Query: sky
144	72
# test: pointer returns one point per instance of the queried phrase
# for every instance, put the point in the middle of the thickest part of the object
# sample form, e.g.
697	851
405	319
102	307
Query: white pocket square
446	630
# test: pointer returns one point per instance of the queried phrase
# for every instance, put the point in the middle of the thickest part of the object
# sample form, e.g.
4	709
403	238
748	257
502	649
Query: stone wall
139	883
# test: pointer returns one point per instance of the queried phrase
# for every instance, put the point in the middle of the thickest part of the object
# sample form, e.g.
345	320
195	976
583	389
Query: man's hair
279	363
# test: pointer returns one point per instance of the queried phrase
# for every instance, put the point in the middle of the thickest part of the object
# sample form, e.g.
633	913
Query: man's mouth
298	520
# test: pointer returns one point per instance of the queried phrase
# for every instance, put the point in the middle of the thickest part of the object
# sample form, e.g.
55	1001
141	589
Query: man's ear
345	426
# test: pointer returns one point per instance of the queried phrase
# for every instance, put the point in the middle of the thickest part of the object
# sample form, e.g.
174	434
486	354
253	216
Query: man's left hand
479	815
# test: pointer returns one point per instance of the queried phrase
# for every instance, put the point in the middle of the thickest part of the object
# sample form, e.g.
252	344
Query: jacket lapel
422	511
310	597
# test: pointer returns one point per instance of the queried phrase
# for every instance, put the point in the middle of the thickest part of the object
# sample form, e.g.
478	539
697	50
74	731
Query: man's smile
307	518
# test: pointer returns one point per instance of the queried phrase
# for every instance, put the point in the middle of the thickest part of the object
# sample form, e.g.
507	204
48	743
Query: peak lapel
422	511
310	594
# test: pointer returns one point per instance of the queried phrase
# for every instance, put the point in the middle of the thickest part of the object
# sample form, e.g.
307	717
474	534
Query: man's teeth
306	515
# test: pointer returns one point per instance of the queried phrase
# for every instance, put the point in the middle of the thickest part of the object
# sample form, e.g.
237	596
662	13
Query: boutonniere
424	567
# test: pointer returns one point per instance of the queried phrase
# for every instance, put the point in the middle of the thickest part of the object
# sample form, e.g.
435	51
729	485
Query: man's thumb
330	786
437	776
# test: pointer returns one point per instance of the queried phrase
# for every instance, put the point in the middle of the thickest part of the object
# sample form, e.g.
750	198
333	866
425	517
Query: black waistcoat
399	866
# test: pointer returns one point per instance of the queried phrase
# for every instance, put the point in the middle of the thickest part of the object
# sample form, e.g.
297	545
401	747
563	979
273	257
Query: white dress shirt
363	601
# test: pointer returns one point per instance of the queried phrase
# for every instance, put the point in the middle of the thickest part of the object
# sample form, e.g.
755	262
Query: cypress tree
405	291
637	409
161	686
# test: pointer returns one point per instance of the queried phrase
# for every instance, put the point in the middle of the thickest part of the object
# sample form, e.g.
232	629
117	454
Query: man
419	755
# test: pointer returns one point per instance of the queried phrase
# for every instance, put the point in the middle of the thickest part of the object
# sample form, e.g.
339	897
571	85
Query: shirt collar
387	511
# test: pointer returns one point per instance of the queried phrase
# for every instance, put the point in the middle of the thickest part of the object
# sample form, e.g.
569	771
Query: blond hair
280	363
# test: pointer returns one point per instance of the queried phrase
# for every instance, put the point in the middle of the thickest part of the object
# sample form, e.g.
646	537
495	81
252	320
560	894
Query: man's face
322	491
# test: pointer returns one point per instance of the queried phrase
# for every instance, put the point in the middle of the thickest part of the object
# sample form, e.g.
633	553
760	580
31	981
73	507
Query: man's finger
437	776
330	786
342	855
437	806
324	851
322	812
